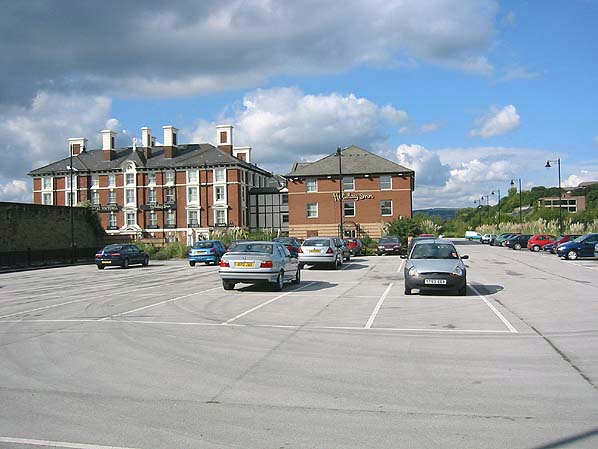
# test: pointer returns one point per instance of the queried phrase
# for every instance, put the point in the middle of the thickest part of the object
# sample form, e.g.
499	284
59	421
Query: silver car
330	251
435	264
254	262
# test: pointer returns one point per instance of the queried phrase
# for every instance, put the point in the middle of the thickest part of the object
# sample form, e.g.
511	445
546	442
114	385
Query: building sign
152	207
106	208
353	196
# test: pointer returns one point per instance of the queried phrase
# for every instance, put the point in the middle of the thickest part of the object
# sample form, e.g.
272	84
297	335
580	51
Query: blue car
584	246
206	251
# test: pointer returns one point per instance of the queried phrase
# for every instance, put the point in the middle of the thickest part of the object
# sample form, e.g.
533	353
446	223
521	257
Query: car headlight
412	271
457	272
380	247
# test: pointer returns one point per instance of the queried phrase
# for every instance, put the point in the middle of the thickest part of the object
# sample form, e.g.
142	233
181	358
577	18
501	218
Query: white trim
391	209
352	189
380	180
307	210
354	208
222	170
307	180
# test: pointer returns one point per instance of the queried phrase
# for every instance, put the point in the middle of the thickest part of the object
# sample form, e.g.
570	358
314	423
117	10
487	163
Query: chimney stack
224	138
77	145
170	141
108	144
147	141
242	153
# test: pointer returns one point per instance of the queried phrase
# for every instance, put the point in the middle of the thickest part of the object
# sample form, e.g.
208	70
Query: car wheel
100	267
407	291
348	259
228	285
206	263
192	263
297	277
517	246
572	255
126	264
145	261
217	261
279	282
536	248
301	265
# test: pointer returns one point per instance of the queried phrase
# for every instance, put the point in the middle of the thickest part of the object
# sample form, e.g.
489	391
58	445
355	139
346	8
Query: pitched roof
190	155
355	161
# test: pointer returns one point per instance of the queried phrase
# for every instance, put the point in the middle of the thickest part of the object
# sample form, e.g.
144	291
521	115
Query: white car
329	251
486	238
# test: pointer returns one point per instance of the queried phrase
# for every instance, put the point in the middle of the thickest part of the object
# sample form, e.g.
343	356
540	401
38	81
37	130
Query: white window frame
308	210
219	175
387	178
169	214
166	195
128	214
354	208
190	222
151	179
112	220
225	214
50	202
352	187
112	180
95	195
95	181
127	202
192	177
152	193
47	180
130	179
192	198
169	177
311	185
223	199
153	219
391	208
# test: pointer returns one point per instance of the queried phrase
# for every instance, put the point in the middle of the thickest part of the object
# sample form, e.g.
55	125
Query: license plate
435	281
315	251
245	264
106	261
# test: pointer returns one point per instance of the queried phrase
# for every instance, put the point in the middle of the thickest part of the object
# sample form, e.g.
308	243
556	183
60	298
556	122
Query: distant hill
444	213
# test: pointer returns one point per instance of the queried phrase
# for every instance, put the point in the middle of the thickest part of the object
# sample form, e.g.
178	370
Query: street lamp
71	170
558	161
487	204
520	205
493	193
479	207
340	190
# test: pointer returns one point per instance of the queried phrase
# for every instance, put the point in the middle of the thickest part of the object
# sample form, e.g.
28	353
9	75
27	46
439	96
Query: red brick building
173	191
373	191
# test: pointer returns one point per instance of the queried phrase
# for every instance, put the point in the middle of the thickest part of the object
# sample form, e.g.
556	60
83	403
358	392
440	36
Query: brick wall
34	226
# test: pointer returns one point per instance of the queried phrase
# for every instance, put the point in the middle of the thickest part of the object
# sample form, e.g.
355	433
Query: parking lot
163	357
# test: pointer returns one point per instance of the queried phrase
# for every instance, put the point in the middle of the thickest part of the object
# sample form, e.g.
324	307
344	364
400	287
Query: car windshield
384	240
434	251
204	245
258	247
317	242
112	248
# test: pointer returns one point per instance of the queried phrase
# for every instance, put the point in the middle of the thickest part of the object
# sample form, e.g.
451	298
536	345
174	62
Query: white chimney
224	138
243	153
77	145
170	136
146	137
108	140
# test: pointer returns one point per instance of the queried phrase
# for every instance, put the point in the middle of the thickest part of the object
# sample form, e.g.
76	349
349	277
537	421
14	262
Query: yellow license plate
106	261
317	251
245	264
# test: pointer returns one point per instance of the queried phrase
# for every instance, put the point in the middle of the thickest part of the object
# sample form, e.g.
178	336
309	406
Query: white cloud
581	176
36	135
16	191
498	121
519	73
429	128
429	170
287	125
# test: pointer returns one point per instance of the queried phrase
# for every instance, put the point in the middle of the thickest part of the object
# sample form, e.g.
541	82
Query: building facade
353	189
175	192
269	207
568	203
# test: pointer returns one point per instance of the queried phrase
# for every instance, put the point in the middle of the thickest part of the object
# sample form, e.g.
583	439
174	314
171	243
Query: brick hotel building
374	190
173	191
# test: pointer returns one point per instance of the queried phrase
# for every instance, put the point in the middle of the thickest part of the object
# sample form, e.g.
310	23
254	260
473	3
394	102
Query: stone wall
39	227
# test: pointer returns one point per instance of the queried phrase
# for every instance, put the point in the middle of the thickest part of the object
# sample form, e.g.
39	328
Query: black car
122	255
518	241
291	243
389	245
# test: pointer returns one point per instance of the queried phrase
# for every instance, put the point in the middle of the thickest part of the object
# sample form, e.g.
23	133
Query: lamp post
558	161
70	203
479	207
340	191
494	193
487	204
520	205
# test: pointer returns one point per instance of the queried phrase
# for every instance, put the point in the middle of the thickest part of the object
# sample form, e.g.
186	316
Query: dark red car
291	243
355	246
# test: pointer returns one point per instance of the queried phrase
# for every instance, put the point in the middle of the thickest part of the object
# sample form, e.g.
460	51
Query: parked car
502	241
435	264
473	235
356	247
539	240
206	251
518	241
254	262
291	243
551	247
486	238
330	251
494	241
414	240
390	244
584	246
122	255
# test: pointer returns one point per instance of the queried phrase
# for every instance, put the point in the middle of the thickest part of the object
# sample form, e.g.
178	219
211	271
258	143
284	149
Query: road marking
43	308
377	308
49	443
496	312
401	266
156	304
253	309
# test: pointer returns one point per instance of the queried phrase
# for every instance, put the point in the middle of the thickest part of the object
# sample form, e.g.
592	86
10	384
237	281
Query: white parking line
401	266
377	308
43	308
48	443
156	304
496	312
253	309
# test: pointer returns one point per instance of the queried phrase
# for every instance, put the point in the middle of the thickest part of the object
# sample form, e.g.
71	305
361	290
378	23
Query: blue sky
470	94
